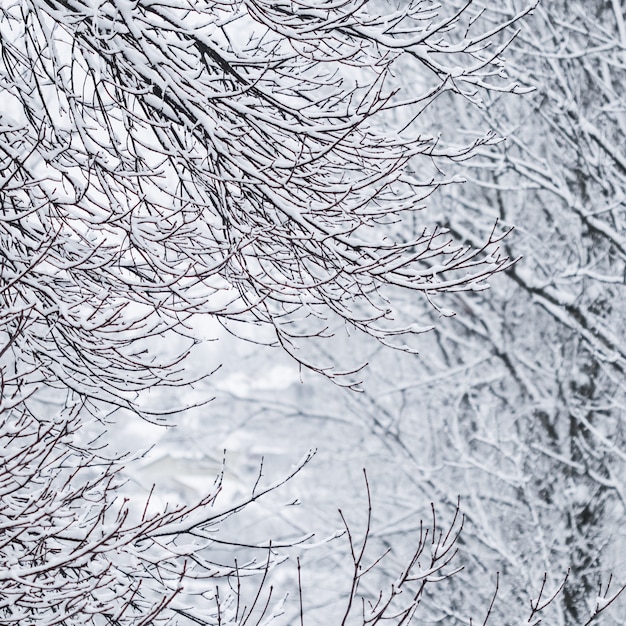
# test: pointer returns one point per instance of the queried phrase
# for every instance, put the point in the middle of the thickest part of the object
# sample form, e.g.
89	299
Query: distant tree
553	326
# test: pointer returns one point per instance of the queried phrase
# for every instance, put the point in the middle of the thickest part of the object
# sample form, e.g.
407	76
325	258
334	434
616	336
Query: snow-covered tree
168	164
227	158
73	551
